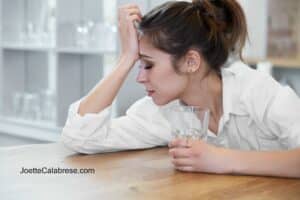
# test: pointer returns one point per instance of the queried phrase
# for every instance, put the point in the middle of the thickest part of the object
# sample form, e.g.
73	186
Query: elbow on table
75	144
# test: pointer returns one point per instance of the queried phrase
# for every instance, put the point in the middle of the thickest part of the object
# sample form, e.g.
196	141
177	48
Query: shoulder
246	75
252	91
250	81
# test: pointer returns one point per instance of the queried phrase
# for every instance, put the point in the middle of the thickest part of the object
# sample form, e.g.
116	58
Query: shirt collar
232	89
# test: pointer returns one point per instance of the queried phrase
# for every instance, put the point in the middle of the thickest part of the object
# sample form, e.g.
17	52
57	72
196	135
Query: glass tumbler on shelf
48	105
82	35
17	102
31	106
105	36
190	122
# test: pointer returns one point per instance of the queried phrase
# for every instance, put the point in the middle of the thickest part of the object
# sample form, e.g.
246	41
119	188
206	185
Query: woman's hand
128	33
198	156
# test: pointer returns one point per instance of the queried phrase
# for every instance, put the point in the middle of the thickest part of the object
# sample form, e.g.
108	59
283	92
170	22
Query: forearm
275	163
103	94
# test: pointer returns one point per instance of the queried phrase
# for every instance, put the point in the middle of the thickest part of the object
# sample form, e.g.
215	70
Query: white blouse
259	114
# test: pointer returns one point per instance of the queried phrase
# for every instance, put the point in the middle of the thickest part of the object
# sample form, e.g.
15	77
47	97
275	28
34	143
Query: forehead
146	48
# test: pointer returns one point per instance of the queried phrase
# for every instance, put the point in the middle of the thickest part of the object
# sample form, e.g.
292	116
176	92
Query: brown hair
214	27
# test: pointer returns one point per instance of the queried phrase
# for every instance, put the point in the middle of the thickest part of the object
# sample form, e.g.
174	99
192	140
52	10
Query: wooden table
143	174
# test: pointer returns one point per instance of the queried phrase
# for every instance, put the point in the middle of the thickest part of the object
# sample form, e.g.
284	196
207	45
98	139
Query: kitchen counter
293	63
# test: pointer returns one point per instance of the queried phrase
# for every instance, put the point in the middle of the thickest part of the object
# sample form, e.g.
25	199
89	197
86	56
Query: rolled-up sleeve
143	126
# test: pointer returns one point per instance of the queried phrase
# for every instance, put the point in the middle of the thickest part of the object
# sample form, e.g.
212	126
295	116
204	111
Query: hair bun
198	4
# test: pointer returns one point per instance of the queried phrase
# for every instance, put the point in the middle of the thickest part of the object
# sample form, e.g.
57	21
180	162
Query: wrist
228	161
128	59
125	64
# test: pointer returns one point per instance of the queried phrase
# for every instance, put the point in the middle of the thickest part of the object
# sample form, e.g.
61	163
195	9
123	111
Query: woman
188	53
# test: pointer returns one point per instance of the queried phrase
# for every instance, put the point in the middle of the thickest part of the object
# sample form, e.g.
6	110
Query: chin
161	102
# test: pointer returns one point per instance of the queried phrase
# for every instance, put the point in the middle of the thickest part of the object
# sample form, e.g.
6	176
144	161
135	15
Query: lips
150	92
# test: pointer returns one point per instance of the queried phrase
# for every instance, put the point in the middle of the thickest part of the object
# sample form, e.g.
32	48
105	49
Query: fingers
179	142
181	159
128	10
180	152
134	17
180	162
135	11
129	5
184	142
130	19
182	156
185	168
128	16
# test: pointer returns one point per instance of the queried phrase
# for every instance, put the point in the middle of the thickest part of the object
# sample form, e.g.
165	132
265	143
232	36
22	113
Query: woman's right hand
127	14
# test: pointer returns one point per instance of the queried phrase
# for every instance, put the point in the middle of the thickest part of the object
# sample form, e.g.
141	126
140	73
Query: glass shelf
39	130
34	123
84	50
30	47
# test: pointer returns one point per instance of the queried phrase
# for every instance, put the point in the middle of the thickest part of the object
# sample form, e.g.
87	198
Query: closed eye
146	66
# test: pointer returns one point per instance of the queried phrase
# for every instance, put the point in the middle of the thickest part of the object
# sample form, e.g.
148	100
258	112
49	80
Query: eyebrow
145	56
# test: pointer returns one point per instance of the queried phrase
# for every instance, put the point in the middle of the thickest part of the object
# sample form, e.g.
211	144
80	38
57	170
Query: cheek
166	78
175	86
172	81
169	88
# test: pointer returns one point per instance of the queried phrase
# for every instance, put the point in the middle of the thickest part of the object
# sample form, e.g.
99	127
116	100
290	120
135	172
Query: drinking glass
190	122
104	36
17	104
82	35
31	106
48	105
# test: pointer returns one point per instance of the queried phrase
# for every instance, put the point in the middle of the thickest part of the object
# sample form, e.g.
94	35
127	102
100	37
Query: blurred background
52	52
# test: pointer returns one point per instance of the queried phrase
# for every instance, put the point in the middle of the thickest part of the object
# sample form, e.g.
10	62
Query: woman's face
158	76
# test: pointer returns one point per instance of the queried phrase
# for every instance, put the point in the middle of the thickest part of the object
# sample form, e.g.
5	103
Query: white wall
257	18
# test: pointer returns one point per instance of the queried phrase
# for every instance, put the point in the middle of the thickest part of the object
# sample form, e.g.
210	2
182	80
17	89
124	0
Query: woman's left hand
197	156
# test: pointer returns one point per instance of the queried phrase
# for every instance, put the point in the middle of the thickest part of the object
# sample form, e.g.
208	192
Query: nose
142	76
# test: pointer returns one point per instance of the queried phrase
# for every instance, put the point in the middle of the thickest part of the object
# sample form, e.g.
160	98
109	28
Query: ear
192	61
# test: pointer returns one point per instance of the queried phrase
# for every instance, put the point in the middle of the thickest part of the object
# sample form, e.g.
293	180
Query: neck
205	92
